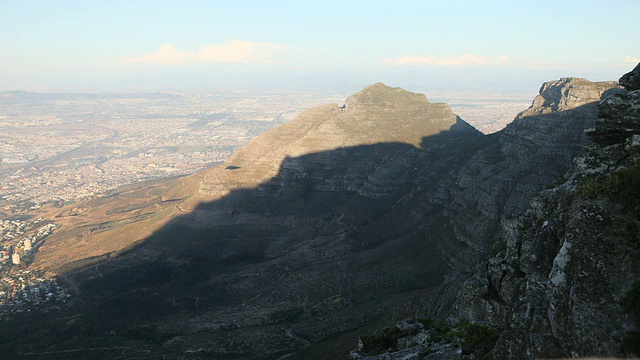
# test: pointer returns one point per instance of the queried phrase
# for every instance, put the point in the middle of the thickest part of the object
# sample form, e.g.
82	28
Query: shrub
381	342
477	339
441	331
597	187
631	302
622	186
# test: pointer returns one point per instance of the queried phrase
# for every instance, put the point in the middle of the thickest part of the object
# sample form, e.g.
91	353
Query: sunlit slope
377	114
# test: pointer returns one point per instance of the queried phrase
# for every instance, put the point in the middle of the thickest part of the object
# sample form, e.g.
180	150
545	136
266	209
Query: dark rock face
619	118
561	273
517	163
631	80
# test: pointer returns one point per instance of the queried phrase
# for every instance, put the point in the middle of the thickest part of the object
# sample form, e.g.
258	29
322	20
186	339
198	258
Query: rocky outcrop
424	339
560	280
566	94
619	113
619	116
631	80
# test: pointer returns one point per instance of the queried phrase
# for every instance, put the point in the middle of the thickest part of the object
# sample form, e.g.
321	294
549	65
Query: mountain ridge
331	243
330	127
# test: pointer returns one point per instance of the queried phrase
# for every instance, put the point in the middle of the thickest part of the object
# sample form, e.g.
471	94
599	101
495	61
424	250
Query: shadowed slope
333	241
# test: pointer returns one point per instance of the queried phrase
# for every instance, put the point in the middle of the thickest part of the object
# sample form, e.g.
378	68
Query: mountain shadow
325	247
337	242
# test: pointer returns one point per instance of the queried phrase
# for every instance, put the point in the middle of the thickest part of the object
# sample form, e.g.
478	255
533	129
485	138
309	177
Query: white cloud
230	52
630	59
462	60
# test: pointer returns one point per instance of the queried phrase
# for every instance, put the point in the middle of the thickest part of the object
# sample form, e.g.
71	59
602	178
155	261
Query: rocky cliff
565	277
513	165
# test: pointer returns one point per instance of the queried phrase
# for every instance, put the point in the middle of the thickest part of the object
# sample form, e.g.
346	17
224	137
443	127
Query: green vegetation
381	341
385	340
631	302
477	339
474	339
622	186
631	306
427	323
441	331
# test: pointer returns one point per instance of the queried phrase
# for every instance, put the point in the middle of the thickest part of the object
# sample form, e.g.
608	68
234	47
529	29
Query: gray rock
517	163
567	94
619	119
557	286
631	80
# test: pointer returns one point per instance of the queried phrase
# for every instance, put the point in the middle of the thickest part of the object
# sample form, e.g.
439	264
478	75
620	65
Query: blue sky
93	45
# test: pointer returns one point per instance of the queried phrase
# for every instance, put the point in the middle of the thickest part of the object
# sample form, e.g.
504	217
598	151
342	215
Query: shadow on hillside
337	241
347	206
368	204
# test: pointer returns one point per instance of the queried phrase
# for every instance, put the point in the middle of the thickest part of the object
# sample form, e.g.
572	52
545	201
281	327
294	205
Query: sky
155	45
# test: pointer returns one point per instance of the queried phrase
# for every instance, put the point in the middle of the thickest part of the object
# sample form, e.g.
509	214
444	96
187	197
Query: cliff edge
565	277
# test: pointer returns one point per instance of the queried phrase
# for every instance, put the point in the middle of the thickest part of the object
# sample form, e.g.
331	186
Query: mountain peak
381	95
377	114
568	93
631	80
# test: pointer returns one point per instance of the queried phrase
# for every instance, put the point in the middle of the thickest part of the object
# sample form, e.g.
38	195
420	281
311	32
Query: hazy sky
91	45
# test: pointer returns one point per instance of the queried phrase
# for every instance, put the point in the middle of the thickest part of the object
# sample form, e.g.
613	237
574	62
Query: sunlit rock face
631	80
567	94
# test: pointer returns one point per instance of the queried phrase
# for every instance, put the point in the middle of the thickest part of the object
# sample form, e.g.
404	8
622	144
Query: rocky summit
377	114
351	218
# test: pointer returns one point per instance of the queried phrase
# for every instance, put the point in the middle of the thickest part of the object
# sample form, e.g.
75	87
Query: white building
27	244
15	258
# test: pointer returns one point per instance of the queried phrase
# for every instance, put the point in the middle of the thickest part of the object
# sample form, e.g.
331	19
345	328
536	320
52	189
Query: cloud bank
230	52
630	59
462	60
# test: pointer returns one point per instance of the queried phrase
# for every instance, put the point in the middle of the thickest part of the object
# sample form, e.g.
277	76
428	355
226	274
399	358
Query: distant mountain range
341	222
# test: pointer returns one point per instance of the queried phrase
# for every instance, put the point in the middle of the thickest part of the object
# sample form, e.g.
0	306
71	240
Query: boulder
631	80
619	119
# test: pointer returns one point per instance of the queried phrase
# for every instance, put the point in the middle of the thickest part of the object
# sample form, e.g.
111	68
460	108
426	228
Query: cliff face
564	277
517	163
